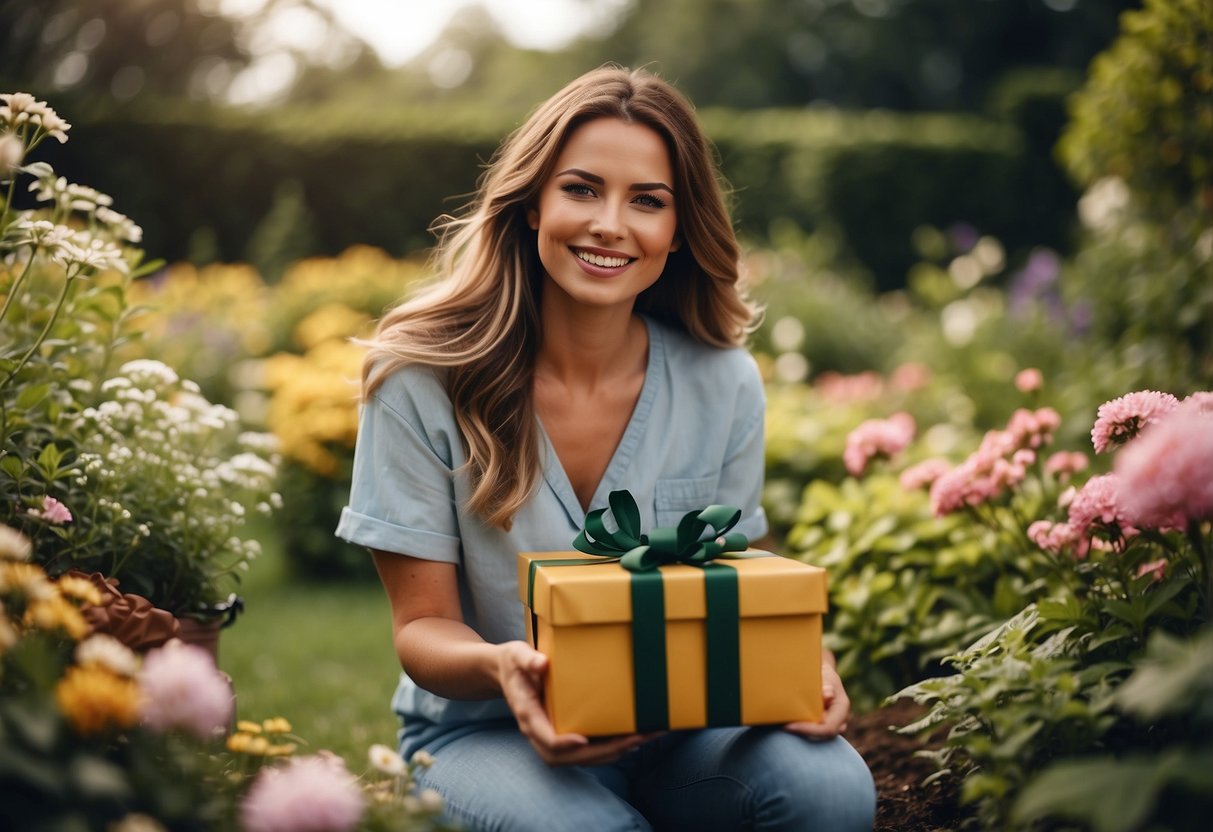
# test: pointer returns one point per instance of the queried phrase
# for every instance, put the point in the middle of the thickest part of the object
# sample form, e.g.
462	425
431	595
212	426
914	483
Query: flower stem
67	284
12	292
1203	566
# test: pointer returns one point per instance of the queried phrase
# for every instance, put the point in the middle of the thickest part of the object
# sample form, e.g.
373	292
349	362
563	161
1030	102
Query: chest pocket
675	497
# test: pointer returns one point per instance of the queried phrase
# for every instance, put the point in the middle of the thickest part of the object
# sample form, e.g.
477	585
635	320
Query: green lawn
319	654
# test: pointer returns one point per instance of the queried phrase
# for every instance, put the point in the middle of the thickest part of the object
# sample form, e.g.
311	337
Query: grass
318	654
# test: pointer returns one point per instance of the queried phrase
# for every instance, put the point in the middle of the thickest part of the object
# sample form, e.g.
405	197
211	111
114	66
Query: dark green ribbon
641	555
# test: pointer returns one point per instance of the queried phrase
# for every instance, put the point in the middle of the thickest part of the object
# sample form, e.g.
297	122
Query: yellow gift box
580	617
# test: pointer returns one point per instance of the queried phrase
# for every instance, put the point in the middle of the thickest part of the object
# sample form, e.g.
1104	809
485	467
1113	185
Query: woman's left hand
837	709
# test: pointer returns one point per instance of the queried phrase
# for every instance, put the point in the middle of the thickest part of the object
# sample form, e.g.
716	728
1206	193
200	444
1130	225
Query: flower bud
12	152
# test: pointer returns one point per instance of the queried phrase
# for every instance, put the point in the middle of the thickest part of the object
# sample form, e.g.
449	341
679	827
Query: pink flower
1165	472
1121	419
1157	568
877	437
1200	401
182	689
1052	537
910	376
1064	463
1029	380
308	794
924	473
52	511
860	387
1097	507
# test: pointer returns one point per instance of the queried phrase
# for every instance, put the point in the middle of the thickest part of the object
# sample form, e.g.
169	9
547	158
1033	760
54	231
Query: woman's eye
577	189
650	201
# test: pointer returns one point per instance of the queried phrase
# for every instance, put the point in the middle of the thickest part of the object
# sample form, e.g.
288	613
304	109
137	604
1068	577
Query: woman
585	337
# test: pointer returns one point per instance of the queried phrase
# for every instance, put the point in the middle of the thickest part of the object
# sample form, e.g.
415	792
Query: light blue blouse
694	438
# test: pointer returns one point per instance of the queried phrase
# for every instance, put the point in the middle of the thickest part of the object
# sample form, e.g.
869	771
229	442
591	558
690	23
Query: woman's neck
587	347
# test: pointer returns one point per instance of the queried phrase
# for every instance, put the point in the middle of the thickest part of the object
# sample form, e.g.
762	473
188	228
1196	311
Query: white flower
107	651
12	151
136	822
96	254
21	107
13	544
387	760
431	801
120	225
41	233
147	372
423	759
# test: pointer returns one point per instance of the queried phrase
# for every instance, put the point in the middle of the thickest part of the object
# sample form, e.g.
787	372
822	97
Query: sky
399	30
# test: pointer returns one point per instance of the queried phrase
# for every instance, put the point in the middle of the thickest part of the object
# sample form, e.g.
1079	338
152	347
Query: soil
904	804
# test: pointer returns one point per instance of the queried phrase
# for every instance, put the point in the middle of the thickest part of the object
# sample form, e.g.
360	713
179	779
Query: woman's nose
607	222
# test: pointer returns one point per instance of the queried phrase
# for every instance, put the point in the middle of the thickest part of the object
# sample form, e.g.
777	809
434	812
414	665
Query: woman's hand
838	708
520	669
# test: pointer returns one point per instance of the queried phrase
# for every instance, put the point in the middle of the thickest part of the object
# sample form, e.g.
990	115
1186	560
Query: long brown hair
480	323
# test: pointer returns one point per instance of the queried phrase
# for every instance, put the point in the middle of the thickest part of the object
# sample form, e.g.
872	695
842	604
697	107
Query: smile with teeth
600	260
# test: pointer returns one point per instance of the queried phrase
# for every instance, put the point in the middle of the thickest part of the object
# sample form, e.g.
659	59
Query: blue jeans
727	779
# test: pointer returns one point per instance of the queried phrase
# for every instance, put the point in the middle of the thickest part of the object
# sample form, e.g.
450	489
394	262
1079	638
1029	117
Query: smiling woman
585	338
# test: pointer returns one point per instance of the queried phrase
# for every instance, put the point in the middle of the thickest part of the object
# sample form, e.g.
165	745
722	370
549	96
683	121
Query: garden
999	449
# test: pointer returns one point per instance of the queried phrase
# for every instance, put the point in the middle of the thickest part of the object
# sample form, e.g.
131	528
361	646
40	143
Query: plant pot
203	631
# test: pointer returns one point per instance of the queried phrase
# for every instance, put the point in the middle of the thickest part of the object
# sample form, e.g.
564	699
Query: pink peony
182	689
1200	401
308	794
877	437
860	387
1029	380
1165	472
1064	463
1156	568
910	376
1052	537
1097	506
52	511
1121	419
924	473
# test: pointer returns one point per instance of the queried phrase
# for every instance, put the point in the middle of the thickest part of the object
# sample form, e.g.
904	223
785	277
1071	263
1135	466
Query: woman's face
606	219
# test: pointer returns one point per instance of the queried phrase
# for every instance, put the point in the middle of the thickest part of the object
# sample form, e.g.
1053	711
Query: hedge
870	177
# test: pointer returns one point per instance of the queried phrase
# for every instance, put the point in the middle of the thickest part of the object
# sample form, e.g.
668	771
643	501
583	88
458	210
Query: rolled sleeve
402	489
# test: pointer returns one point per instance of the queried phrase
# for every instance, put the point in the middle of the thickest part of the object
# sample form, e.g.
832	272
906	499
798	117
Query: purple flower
182	689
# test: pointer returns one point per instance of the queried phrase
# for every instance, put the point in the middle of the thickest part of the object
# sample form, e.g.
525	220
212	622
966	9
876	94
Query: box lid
599	591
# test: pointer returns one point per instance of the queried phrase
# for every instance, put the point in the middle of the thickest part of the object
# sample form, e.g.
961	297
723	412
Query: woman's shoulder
417	392
728	367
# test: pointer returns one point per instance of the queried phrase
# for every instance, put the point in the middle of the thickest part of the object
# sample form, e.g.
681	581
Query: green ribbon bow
641	555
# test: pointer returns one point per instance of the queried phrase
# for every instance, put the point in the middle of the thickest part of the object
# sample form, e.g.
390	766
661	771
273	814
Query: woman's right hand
520	670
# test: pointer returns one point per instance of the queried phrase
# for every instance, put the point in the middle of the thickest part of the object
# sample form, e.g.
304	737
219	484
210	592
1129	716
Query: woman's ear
532	218
676	243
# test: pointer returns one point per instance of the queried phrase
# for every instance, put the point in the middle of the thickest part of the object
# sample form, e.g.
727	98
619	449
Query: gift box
733	641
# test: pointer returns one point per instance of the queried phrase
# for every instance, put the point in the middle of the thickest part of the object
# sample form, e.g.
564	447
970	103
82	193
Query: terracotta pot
202	632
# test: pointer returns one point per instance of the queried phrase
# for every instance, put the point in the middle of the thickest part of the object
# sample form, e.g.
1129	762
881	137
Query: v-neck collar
554	473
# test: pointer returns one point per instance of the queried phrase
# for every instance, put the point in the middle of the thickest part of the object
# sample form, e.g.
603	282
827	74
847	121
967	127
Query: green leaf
1110	795
32	395
98	778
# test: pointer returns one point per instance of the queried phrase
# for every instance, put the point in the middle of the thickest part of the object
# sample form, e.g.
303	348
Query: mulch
904	804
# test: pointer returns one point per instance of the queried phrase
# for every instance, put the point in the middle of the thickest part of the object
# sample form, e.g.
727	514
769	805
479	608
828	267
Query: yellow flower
82	589
248	727
238	743
277	725
56	614
93	699
257	746
26	578
284	749
8	633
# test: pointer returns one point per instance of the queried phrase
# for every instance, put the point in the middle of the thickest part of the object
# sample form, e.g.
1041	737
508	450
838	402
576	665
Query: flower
107	652
13	544
184	690
93	699
136	822
308	794
52	511
1097	507
12	150
423	759
1119	420
55	613
999	463
924	473
877	437
1064	463
277	725
1029	380
1155	568
387	760
79	588
1164	473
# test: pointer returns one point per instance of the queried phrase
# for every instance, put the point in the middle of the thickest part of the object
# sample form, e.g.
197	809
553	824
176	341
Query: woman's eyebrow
635	186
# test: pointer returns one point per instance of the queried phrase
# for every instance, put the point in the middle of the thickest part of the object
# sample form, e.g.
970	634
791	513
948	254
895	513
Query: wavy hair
479	324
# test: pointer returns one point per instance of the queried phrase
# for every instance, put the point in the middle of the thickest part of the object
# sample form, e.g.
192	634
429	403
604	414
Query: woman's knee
814	786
